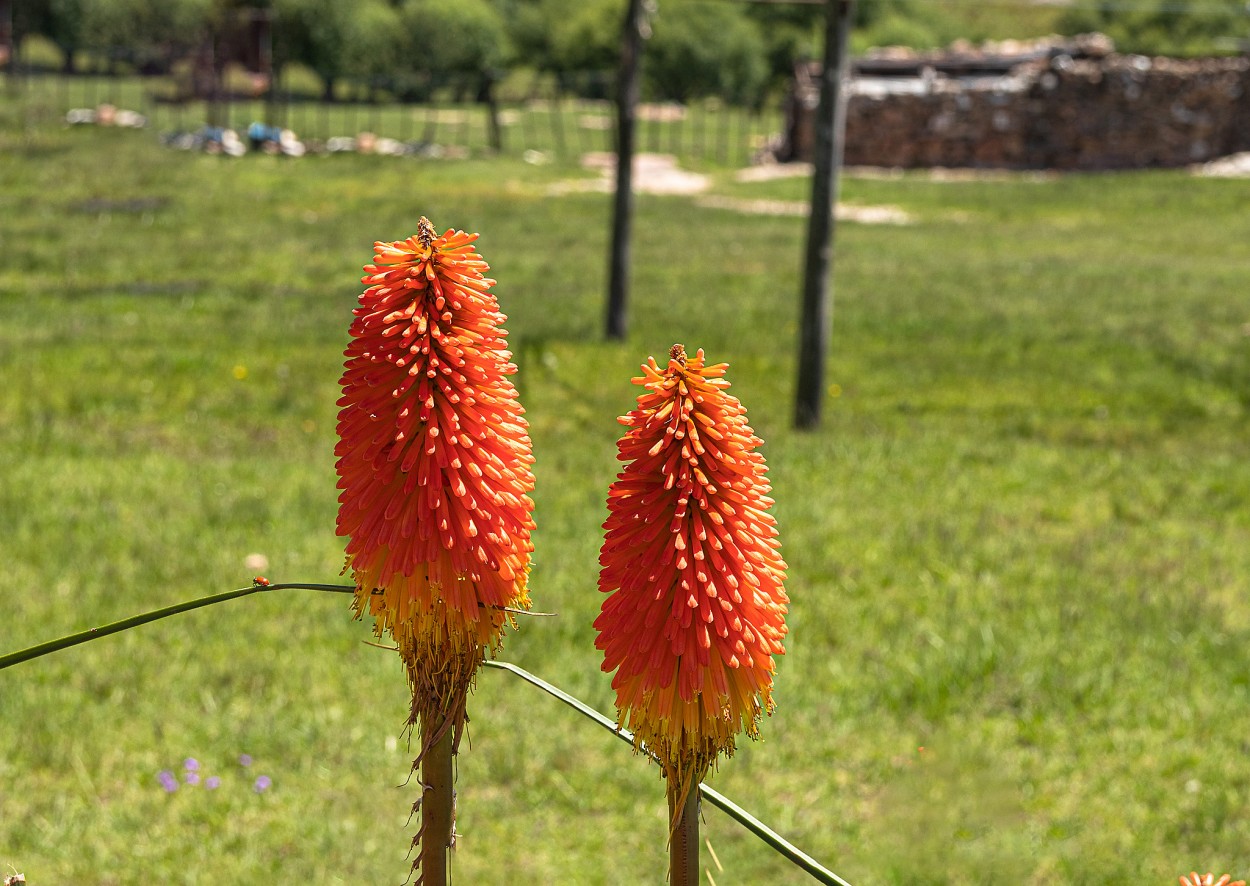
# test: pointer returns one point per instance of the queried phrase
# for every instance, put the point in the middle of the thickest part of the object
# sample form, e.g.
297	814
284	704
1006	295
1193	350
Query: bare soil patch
660	174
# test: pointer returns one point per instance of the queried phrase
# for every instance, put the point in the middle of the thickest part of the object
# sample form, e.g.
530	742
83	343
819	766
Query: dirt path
660	174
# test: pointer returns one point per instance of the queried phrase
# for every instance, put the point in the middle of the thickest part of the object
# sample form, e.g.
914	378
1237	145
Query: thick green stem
683	844
438	811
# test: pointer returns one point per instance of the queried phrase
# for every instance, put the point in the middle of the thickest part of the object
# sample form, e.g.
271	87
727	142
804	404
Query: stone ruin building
1048	104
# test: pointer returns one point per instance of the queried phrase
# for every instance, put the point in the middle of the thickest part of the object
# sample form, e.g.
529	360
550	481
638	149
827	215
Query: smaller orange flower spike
696	605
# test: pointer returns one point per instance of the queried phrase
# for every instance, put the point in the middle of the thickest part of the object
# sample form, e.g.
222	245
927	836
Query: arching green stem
134	621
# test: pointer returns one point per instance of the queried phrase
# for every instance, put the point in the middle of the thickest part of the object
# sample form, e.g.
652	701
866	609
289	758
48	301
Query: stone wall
1111	112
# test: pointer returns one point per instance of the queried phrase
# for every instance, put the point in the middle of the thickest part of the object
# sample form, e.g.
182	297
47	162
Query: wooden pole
261	21
8	51
633	38
10	46
817	310
683	849
494	131
438	811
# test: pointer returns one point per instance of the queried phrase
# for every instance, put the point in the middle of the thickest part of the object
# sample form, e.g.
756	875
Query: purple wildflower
245	759
212	783
192	778
263	783
191	764
167	780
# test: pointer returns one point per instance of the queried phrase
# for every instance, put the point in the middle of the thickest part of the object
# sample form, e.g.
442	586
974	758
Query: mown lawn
1021	540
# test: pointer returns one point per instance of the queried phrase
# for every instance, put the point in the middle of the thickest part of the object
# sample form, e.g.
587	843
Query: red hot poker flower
434	464
696	606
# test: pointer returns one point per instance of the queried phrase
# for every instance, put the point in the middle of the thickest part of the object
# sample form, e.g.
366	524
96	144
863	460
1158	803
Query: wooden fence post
817	310
627	88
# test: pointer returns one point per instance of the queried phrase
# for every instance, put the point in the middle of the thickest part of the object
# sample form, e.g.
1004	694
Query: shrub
705	49
466	37
1162	28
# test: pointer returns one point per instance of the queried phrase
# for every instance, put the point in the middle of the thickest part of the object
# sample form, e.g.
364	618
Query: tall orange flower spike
1208	879
696	605
434	464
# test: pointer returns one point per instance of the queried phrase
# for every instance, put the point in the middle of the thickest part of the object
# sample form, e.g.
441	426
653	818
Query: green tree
465	44
146	32
564	36
465	37
792	33
1163	27
61	21
586	36
374	46
701	49
528	43
316	33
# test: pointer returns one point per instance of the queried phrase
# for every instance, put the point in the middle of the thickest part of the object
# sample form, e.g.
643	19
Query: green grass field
1021	539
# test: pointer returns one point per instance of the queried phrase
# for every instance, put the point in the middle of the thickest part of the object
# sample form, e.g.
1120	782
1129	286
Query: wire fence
550	119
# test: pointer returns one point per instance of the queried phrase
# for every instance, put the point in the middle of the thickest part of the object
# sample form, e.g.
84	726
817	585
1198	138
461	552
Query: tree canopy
737	51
